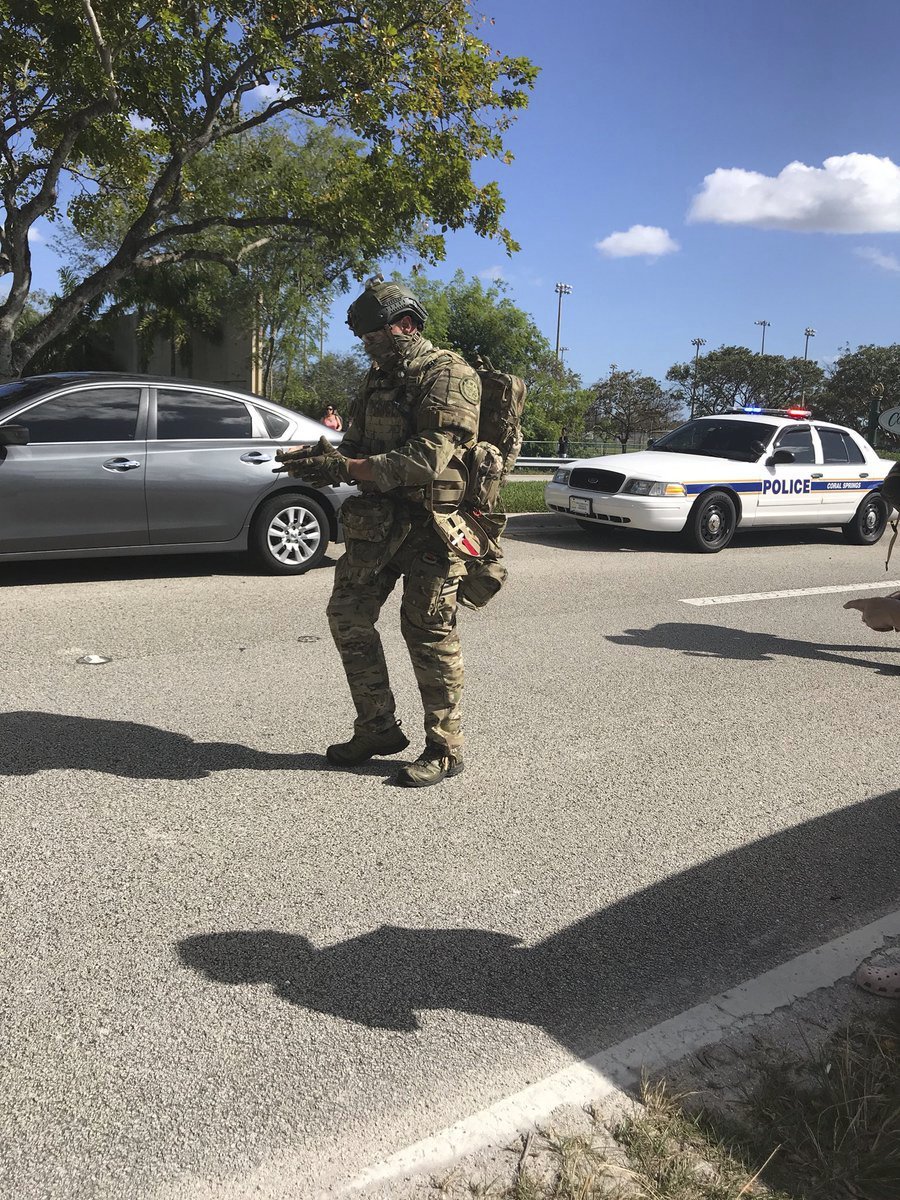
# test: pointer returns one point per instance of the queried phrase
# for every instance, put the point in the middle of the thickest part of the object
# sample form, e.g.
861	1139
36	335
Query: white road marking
745	597
621	1066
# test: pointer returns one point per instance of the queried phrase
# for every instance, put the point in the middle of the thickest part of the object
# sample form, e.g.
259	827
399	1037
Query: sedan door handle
817	475
120	464
256	456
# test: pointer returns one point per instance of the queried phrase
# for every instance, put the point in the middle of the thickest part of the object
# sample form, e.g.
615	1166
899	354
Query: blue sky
637	103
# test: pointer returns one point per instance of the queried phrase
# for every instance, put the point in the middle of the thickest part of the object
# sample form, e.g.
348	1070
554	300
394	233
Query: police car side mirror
779	457
13	435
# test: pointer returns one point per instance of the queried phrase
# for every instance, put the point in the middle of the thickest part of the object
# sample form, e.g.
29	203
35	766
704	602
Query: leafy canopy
122	97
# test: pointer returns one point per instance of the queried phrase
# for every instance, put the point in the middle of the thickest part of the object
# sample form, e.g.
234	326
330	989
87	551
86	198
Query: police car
753	468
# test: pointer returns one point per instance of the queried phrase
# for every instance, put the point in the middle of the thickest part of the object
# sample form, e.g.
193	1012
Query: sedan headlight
649	487
562	475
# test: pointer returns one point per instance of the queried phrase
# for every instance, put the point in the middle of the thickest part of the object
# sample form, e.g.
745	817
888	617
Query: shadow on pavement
717	641
641	960
39	741
560	532
114	569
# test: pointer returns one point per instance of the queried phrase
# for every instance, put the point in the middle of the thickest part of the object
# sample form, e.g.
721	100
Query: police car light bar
798	414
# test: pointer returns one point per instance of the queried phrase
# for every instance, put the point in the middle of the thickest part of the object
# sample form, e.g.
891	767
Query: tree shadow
638	961
719	641
39	741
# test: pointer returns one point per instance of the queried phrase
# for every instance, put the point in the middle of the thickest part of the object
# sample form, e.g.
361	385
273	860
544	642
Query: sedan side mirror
13	435
651	442
779	457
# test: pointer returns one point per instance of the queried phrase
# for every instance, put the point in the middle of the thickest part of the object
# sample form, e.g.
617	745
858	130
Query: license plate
578	504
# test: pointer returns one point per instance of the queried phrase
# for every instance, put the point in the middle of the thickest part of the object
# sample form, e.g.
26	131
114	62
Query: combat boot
433	764
363	746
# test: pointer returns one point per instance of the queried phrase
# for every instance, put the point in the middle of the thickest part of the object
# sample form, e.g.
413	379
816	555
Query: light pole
808	332
696	343
563	351
765	326
561	289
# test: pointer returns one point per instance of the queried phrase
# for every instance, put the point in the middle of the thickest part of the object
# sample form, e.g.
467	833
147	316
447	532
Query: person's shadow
43	741
619	970
717	641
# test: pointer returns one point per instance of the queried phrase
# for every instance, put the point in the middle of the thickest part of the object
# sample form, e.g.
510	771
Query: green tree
733	376
627	403
474	318
125	98
847	396
332	379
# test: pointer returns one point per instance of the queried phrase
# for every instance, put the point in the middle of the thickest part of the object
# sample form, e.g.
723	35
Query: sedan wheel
712	523
289	534
868	522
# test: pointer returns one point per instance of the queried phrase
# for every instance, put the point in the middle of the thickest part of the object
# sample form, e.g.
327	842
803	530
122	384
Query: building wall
232	360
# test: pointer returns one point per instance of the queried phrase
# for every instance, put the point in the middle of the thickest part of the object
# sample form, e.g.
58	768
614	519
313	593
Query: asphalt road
230	971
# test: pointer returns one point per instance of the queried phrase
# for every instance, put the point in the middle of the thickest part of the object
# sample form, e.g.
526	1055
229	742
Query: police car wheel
712	523
869	521
289	534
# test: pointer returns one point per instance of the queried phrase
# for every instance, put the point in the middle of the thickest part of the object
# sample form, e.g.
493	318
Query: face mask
380	347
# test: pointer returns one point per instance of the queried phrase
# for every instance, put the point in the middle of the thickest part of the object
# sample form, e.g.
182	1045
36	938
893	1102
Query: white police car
757	468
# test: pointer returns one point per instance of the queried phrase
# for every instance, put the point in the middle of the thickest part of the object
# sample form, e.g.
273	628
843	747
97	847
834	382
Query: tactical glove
320	465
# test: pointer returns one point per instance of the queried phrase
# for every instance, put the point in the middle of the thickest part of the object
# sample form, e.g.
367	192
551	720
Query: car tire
289	534
711	524
595	528
869	521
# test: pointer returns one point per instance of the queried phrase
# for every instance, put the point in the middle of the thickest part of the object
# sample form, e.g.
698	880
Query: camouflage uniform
409	421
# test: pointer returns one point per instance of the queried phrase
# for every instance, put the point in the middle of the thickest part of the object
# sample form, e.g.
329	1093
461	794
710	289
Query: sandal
882	981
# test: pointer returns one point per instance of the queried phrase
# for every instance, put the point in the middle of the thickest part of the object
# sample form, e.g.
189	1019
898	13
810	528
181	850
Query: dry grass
823	1127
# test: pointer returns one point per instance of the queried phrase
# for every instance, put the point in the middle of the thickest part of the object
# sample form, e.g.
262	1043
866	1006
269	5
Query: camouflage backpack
499	436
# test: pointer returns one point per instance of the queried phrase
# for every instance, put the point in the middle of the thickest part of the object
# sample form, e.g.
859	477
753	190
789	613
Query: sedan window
107	414
799	441
191	416
743	441
839	447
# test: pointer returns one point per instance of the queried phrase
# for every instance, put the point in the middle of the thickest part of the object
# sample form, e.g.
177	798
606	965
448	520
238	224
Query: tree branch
103	51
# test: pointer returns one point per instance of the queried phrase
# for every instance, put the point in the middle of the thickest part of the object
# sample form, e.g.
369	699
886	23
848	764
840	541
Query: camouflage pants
430	577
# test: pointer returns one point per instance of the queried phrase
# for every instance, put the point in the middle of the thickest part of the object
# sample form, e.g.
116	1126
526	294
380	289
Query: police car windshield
744	441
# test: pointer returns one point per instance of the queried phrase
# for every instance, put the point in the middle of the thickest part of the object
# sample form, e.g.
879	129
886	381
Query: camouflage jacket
409	420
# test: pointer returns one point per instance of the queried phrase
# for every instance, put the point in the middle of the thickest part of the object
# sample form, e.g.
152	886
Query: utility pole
561	289
876	391
696	343
765	326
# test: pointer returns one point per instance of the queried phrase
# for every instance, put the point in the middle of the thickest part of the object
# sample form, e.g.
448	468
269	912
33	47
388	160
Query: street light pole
808	332
765	326
561	289
696	343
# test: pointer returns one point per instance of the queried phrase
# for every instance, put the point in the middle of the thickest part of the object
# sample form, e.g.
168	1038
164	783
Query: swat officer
415	417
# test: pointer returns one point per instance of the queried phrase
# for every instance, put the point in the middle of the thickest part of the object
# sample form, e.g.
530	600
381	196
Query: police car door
845	476
787	497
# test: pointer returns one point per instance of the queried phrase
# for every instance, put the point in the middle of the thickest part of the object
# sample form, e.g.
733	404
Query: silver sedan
102	464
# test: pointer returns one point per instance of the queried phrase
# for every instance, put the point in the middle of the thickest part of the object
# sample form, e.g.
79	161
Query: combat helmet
381	304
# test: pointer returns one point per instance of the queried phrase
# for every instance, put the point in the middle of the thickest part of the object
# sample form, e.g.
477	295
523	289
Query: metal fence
544	455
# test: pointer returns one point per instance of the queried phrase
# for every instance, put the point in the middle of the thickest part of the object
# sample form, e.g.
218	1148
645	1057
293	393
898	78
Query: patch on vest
470	389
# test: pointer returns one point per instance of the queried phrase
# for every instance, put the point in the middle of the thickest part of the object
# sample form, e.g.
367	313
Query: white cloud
493	273
35	235
265	93
142	124
887	262
647	240
850	193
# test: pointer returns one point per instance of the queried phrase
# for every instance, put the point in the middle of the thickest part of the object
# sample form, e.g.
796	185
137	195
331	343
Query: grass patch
523	496
823	1127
